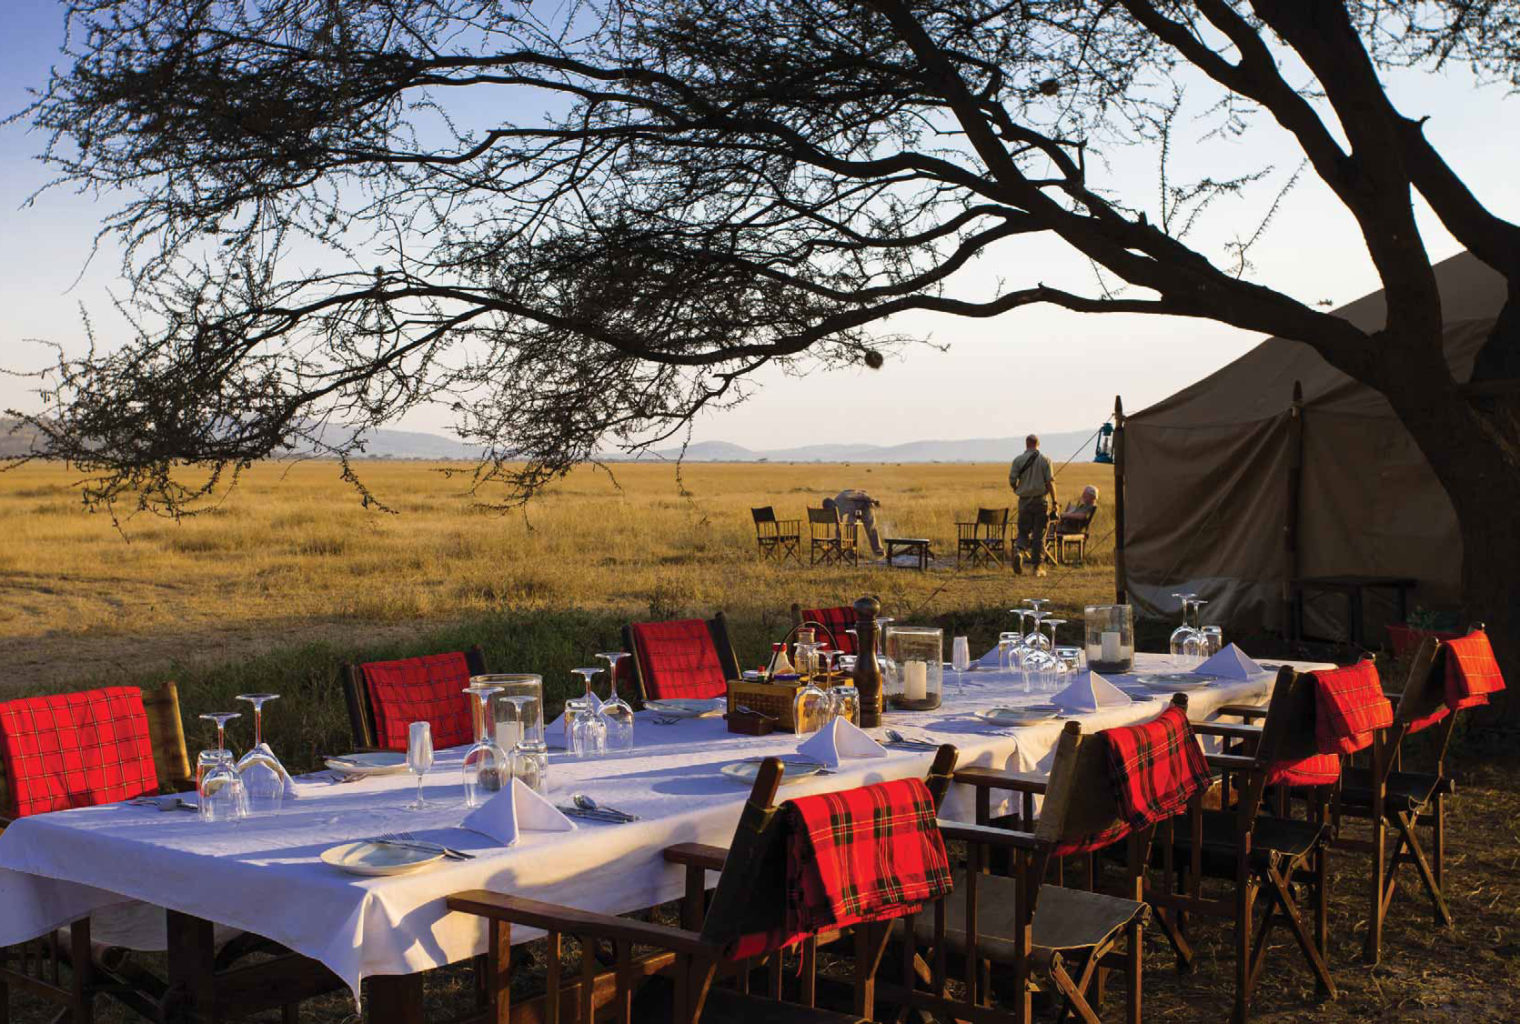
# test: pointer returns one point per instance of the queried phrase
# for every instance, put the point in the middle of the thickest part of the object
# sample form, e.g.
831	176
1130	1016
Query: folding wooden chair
141	752
679	658
385	697
702	950
833	541
1265	854
1074	539
836	622
984	541
777	539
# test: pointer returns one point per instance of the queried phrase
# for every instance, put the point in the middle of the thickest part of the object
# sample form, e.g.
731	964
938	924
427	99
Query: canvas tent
1207	476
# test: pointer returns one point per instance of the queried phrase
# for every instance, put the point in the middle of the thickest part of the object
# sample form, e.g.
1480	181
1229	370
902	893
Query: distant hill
416	444
1076	445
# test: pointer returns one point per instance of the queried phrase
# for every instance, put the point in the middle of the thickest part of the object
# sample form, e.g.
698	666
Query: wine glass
419	758
1036	639
525	764
960	660
263	775
615	710
218	785
1055	667
1180	635
585	703
485	768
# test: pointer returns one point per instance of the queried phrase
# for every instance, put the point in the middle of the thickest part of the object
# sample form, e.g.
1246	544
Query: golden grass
292	549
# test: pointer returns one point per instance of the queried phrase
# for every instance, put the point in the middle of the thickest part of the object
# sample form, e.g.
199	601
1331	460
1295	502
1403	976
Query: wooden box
775	699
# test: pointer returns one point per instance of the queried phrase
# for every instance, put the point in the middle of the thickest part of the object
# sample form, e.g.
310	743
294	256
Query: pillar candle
916	680
1111	646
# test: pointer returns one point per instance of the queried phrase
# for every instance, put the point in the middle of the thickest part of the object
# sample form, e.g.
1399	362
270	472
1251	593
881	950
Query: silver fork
407	839
665	720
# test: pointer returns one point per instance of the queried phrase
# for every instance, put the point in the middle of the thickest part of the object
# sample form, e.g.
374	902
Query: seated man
1078	514
857	506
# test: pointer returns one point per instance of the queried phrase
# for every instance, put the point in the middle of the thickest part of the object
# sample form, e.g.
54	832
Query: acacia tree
711	187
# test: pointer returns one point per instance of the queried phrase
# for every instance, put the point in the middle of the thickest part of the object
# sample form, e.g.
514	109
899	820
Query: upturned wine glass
615	710
486	769
219	788
585	728
527	765
263	775
1052	677
1180	636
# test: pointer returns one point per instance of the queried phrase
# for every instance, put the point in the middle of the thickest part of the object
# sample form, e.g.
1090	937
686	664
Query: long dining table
264	875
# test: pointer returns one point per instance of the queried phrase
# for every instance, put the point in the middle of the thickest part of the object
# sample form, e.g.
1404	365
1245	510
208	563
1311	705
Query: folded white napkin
838	741
513	811
1090	692
1230	663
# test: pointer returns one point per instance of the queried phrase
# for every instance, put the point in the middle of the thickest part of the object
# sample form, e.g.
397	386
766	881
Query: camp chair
1026	923
708	945
983	541
833	541
1389	797
145	754
1064	541
777	538
385	697
679	658
836	623
1259	849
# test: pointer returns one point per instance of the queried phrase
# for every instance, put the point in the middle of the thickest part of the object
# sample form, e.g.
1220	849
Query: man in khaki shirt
1033	480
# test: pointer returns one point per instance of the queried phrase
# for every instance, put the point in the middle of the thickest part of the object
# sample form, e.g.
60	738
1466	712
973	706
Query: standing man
1033	481
858	506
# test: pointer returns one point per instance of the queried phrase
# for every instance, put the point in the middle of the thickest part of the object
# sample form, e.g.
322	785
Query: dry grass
291	557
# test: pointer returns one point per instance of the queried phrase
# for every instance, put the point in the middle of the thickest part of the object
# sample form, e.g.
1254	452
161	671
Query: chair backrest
1288	751
681	658
765	520
822	520
996	518
836	620
88	748
385	697
752	889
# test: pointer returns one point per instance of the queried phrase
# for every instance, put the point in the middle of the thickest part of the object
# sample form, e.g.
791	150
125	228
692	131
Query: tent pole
1292	626
1120	582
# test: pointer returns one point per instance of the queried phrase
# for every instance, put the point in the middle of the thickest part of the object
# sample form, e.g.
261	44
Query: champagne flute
960	660
419	758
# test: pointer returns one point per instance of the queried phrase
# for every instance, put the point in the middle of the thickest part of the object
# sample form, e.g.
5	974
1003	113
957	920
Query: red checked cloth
838	620
1155	768
1314	770
1472	673
428	689
678	659
1349	708
867	854
76	749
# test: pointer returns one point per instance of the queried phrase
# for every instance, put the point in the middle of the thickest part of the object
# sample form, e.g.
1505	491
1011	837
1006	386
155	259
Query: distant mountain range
415	444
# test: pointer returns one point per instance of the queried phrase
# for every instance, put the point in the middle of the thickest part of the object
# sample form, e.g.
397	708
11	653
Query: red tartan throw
1155	768
1472	673
428	689
76	749
1314	770
1349	708
838	620
678	659
862	855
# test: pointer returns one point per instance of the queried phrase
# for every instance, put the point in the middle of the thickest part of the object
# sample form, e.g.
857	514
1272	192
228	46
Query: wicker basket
775	699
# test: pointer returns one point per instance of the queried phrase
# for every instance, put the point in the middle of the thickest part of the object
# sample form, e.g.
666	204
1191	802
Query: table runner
263	875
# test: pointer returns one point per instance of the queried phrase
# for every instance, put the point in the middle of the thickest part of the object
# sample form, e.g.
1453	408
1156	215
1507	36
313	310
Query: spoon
585	803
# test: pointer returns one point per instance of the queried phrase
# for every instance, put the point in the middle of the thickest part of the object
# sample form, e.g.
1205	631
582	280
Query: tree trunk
1473	445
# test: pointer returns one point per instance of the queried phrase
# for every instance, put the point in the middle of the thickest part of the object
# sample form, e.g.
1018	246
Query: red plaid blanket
678	659
76	749
867	854
1349	708
1314	770
428	689
1472	673
1155	767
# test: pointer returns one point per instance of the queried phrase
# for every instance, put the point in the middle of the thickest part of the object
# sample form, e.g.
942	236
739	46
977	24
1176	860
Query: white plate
1173	683
1032	715
380	762
684	707
745	771
374	859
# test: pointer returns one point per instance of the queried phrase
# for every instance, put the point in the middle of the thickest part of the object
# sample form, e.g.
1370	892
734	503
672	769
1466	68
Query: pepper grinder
867	674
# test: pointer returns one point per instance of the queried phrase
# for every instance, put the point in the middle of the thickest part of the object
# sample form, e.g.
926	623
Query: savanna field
290	575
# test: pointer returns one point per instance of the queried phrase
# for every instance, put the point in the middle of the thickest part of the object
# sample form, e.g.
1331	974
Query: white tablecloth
263	875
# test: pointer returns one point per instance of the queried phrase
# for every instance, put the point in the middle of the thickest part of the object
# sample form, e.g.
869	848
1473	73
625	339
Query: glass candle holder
917	656
1110	637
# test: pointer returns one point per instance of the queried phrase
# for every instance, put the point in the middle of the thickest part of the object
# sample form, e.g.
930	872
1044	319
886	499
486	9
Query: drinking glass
844	702
812	708
615	710
526	764
263	775
485	768
1006	644
575	706
419	758
1213	640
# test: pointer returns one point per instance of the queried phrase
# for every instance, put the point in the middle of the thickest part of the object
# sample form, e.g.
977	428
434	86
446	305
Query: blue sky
1036	369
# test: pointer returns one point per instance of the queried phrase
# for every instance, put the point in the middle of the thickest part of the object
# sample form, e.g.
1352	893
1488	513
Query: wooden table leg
192	964
395	999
